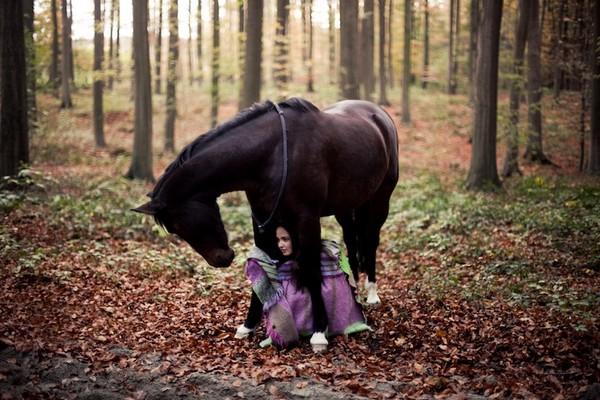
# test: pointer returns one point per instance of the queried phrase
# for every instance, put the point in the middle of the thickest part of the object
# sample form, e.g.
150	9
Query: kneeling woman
287	306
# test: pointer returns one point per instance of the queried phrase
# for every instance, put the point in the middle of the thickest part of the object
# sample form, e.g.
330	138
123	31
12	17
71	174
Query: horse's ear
150	208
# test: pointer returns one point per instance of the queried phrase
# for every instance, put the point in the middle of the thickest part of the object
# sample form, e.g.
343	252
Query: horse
295	163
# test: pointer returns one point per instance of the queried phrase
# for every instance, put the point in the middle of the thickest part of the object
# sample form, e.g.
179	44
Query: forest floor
483	295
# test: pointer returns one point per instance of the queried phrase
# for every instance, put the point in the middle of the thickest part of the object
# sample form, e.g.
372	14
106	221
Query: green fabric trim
357	327
345	264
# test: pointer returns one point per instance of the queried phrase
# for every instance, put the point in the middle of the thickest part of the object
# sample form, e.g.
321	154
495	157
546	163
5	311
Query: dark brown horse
341	161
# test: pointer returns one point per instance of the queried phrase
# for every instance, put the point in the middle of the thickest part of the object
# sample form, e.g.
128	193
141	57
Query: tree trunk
214	86
98	80
383	100
65	78
54	78
474	27
30	61
158	49
14	140
280	65
425	77
368	44
406	63
111	54
189	44
511	162
200	72
348	48
172	77
452	48
534	151
241	45
252	75
331	40
117	43
69	37
483	172
593	167
389	38
558	50
141	161
309	62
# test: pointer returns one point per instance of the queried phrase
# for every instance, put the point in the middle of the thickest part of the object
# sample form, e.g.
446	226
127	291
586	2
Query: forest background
488	276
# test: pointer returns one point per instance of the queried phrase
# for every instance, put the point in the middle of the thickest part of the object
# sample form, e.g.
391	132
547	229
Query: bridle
261	226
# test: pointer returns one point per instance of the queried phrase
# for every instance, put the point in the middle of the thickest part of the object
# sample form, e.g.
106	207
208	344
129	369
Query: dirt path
35	375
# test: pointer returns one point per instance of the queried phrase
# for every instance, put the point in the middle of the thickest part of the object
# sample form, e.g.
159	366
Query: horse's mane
248	114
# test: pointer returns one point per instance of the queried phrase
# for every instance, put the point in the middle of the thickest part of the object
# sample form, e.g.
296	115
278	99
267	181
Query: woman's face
284	241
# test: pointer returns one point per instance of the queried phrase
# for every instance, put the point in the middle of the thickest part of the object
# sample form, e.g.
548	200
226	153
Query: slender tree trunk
14	138
69	37
117	42
189	45
141	160
252	68
172	77
303	15
111	55
390	36
558	50
98	79
54	77
280	65
214	87
200	71
511	161
65	79
534	151
348	47
241	45
593	167
452	48
367	52
310	83
158	49
383	100
406	63
31	65
331	40
483	170
474	27
425	78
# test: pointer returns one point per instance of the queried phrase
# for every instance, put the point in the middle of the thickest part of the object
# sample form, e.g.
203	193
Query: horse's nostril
223	258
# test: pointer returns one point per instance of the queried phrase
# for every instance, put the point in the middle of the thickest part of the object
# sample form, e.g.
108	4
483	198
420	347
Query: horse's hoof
242	332
372	297
318	342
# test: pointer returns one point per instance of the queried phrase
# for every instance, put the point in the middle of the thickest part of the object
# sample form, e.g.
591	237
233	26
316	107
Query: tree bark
534	151
309	62
483	172
14	140
511	161
158	50
390	36
558	50
172	78
241	45
383	100
252	68
98	111
452	48
473	28
141	161
593	167
200	71
348	48
30	61
280	65
65	79
111	54
214	86
331	39
54	78
406	63
425	78
367	52
117	42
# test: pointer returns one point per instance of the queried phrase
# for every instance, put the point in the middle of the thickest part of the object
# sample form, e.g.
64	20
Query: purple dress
288	307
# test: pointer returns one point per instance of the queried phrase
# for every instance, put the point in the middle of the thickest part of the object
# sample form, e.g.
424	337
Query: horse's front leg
252	319
309	260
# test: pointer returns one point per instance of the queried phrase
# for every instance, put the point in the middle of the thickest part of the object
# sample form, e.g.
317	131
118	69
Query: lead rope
261	227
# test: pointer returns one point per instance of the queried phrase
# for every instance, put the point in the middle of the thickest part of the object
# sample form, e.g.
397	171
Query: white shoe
242	332
372	297
319	342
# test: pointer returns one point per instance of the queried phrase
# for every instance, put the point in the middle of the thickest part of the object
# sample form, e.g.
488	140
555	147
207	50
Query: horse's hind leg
370	219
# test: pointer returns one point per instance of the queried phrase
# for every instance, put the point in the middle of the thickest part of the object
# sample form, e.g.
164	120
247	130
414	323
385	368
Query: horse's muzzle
221	258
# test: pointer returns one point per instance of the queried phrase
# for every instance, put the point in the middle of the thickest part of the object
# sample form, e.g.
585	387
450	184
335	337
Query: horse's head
198	222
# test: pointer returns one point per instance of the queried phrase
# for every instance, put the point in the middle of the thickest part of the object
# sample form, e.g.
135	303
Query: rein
261	226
